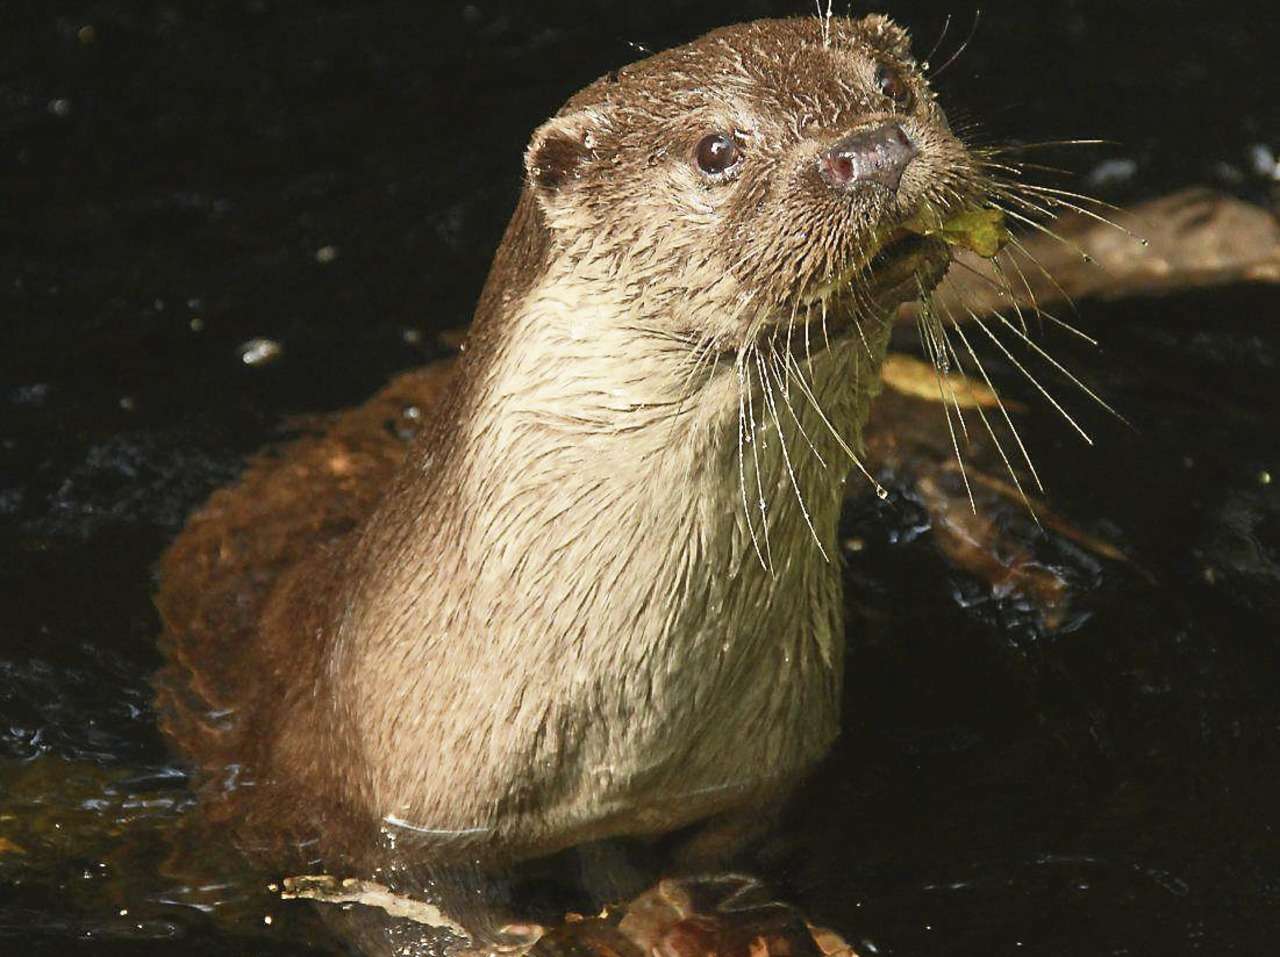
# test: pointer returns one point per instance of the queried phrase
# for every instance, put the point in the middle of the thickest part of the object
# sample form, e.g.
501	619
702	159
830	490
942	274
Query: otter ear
561	150
888	36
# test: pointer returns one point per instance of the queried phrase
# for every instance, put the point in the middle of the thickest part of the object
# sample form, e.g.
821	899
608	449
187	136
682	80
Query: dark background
171	172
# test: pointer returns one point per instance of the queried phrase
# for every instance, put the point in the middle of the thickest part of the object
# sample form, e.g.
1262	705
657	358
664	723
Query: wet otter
598	596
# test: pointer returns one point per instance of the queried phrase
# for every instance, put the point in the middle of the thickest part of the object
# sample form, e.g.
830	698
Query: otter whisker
1066	200
1021	247
986	421
1005	148
754	441
808	348
1026	204
767	391
1001	289
1020	168
857	325
1004	287
973	31
824	20
1030	378
1026	456
1068	327
742	474
1026	284
927	319
1064	193
784	389
791	322
1061	368
946	26
858	289
1008	168
1039	310
1013	473
1006	291
835	434
1032	205
1042	228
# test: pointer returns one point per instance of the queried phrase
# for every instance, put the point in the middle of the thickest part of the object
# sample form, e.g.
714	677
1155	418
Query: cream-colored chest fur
620	609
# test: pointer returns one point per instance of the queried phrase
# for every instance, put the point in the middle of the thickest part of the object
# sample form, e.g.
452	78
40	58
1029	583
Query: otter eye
717	153
892	84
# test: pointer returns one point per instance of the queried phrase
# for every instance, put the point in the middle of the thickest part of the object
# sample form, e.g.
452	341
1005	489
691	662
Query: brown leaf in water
920	380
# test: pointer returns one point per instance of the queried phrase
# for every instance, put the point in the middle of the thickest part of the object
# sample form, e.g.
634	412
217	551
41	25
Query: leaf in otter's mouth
978	229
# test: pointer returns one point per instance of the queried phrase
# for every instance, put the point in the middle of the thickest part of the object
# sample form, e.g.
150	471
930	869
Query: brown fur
563	616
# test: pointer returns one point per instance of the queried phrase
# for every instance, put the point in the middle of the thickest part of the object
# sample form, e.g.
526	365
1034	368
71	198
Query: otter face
757	179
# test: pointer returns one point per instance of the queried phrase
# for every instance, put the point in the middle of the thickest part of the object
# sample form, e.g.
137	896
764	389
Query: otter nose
878	155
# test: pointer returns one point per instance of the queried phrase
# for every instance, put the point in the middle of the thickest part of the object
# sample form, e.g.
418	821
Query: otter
597	594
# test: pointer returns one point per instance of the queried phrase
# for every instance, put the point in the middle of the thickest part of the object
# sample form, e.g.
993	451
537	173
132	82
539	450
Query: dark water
179	179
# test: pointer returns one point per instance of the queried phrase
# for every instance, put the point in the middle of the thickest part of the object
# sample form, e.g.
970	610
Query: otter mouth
908	259
904	267
917	251
906	263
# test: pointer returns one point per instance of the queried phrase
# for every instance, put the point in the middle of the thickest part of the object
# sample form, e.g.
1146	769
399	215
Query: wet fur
596	597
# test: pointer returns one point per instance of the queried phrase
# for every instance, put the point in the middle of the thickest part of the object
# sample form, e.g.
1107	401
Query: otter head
754	182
